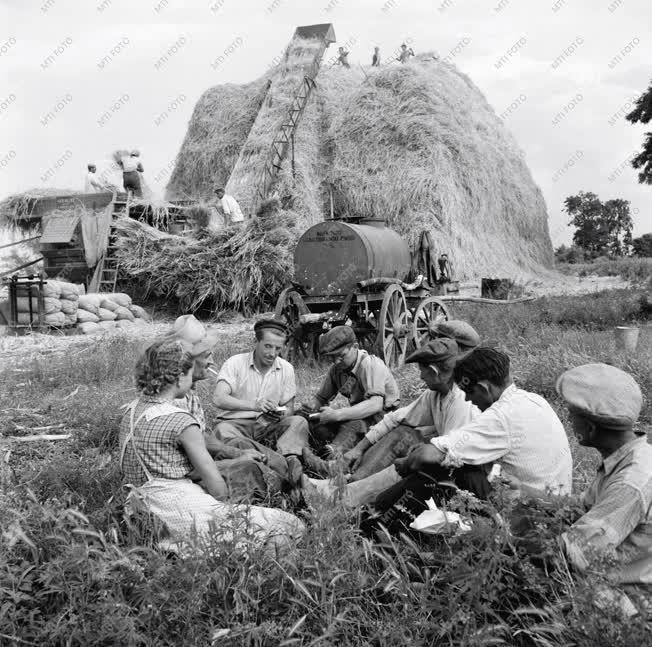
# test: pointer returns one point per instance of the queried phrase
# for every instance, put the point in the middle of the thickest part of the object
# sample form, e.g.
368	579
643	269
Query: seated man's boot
317	466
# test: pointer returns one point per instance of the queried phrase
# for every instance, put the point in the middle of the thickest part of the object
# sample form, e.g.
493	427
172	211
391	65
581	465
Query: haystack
417	144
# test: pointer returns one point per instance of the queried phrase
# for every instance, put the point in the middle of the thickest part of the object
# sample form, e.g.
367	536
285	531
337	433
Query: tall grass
637	271
72	572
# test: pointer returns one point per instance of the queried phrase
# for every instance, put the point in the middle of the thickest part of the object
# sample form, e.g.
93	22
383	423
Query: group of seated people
470	427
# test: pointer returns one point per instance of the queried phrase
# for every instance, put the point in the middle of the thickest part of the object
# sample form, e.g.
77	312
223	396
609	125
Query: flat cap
440	352
463	333
602	393
335	339
271	324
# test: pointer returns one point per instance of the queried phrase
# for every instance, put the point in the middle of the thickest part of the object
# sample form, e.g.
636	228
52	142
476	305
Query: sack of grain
88	327
124	313
125	324
92	300
69	291
84	316
51	305
106	315
107	304
107	325
55	319
52	289
139	313
69	306
120	298
70	320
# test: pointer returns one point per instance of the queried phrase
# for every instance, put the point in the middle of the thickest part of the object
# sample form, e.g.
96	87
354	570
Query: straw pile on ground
235	268
415	143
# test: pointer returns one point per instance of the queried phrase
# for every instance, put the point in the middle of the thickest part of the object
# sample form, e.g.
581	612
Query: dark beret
440	352
336	339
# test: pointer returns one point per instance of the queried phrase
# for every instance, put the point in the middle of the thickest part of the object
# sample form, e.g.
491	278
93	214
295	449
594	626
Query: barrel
332	256
626	338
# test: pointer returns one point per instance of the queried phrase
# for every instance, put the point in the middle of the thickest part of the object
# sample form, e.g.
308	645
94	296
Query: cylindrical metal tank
332	256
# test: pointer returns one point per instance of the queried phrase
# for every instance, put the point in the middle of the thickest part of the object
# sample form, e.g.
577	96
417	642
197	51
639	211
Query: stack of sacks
106	311
59	304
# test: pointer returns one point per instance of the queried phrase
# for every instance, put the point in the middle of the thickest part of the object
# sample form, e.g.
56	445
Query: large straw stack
417	144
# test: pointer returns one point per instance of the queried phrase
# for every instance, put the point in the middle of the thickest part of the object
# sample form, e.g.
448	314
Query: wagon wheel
302	343
428	314
393	326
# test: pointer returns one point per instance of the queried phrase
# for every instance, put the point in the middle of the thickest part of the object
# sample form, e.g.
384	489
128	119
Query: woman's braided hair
162	364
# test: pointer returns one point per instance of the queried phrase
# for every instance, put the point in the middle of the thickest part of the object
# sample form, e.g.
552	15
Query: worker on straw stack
444	268
405	54
93	183
255	394
375	59
161	444
342	57
228	207
604	404
364	380
438	410
200	343
131	166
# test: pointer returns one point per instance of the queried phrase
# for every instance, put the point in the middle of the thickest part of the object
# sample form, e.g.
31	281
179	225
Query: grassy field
73	573
637	271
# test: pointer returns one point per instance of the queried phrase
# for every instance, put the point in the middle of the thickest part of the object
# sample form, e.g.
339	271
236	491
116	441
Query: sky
80	79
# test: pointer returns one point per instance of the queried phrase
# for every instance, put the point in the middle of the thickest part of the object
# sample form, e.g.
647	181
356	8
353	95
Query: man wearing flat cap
438	410
463	333
364	380
255	394
604	404
517	429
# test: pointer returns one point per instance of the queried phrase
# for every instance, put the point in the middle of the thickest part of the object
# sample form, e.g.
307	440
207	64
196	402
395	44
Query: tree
642	113
600	228
642	246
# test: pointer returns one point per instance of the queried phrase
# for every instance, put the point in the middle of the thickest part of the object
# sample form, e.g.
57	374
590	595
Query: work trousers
131	182
288	435
396	444
401	503
341	436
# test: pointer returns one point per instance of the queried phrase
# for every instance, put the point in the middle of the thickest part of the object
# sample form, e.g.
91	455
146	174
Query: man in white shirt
255	394
230	207
93	183
517	429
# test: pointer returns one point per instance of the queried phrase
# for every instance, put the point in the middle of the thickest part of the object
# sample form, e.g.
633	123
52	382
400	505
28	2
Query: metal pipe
484	300
19	242
20	267
383	280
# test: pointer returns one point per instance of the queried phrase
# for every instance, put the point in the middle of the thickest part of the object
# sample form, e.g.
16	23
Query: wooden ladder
284	136
105	276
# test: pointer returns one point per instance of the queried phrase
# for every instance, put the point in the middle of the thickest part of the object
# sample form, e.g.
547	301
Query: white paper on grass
434	521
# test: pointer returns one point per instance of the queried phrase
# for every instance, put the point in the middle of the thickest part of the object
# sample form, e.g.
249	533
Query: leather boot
317	466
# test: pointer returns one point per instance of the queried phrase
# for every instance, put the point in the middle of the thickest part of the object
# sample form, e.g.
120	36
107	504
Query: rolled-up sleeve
229	373
373	377
389	422
483	441
606	525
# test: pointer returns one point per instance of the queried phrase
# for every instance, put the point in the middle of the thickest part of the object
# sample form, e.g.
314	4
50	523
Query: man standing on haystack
405	54
364	380
375	59
131	167
343	57
229	207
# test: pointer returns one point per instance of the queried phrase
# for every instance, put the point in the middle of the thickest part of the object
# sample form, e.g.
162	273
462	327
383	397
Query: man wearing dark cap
438	410
464	334
255	394
604	404
517	429
364	380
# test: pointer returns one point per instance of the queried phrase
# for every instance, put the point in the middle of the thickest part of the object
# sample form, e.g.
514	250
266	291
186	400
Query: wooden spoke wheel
428	314
393	327
302	344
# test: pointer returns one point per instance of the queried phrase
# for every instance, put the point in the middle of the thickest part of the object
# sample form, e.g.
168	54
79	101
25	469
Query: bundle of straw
231	269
